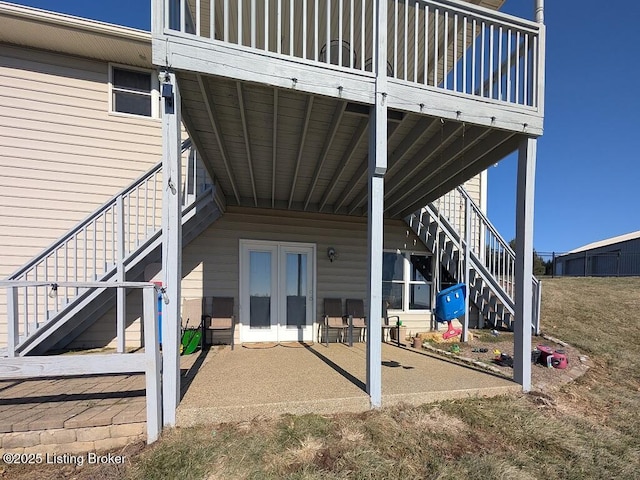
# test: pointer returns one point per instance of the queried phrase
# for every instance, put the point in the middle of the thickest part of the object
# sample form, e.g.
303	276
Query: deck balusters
92	249
499	258
431	42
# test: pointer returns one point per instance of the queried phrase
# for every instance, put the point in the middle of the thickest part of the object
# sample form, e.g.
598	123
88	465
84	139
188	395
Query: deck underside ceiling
275	148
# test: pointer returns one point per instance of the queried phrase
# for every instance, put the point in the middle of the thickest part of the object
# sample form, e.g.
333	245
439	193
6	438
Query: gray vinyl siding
102	334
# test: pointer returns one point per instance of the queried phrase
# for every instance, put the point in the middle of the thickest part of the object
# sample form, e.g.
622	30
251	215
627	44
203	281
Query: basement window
406	281
133	91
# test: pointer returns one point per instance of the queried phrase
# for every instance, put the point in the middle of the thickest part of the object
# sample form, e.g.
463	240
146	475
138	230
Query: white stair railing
488	247
92	250
486	242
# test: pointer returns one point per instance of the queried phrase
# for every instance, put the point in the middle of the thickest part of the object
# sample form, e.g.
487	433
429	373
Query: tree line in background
540	265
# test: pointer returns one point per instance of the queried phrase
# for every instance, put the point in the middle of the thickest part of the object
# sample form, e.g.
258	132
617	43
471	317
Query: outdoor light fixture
53	293
167	91
331	253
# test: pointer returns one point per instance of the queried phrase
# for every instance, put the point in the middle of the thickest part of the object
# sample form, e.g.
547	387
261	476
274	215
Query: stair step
439	234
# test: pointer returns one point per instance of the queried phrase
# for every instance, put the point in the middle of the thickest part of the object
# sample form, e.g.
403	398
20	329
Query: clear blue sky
588	170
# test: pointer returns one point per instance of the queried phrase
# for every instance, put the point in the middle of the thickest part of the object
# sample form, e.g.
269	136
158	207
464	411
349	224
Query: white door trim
278	250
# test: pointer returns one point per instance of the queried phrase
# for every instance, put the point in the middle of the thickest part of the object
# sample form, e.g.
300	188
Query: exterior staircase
115	243
454	227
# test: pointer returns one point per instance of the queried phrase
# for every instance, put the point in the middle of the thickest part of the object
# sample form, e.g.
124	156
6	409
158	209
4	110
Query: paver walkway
87	401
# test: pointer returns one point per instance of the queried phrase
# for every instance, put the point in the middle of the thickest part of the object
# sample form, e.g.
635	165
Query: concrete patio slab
245	383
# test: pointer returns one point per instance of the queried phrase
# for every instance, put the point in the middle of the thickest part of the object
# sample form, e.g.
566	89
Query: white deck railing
460	48
147	362
445	44
338	32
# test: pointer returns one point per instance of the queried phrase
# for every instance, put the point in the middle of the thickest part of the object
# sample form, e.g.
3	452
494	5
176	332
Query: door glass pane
296	289
260	289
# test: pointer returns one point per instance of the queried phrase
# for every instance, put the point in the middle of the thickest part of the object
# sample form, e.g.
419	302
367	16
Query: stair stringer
485	293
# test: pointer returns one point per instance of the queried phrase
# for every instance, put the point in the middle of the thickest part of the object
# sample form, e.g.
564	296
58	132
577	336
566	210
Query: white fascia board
70	21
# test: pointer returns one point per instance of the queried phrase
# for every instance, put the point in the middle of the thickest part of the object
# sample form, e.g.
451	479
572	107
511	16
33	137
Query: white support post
152	364
539	11
121	293
158	15
541	56
171	246
524	263
12	321
467	249
377	169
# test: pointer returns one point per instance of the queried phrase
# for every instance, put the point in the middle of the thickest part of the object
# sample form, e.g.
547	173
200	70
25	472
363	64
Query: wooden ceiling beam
356	139
416	133
457	159
220	196
213	120
359	174
449	155
436	144
424	175
335	125
247	140
303	136
454	175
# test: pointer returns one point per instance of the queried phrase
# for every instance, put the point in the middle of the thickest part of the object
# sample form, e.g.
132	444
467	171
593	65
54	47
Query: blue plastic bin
450	303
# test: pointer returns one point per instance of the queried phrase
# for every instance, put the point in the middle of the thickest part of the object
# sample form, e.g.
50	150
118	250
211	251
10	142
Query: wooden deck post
13	332
524	262
467	267
377	169
121	293
171	245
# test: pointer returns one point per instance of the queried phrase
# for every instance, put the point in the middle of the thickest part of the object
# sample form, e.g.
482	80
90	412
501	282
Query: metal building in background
613	257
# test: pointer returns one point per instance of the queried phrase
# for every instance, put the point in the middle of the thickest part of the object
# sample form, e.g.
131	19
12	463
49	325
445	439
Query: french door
277	291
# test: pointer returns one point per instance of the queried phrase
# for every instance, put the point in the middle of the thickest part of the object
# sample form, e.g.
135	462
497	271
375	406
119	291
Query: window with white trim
406	281
133	91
